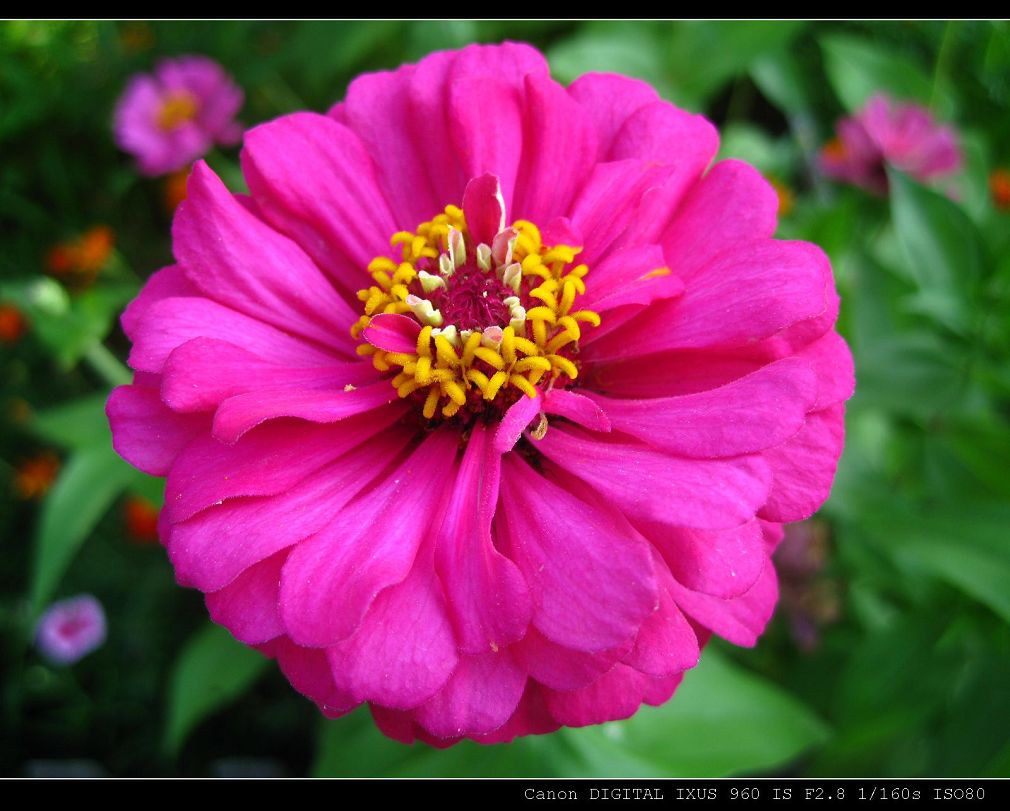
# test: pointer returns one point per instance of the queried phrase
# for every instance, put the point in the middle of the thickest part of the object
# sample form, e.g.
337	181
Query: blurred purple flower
70	629
169	118
890	133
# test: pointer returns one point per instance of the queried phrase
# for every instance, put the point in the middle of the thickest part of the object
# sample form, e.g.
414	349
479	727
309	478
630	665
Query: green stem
942	59
107	365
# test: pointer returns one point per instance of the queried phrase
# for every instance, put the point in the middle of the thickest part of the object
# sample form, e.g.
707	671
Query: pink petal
248	605
146	433
515	421
488	600
609	201
577	408
170	282
309	672
171	322
589	573
750	414
832	362
392	332
740	620
530	718
239	414
724	563
313	180
482	694
240	261
614	696
213	547
559	148
747	293
331	579
377	109
804	467
651	485
609	100
561	668
403	651
630	276
202	373
268	461
666	643
561	231
684	372
683	143
663	133
484	208
481	148
731	204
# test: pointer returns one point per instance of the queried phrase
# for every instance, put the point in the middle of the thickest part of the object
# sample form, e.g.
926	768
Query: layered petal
650	485
330	581
145	432
240	261
589	573
750	414
488	600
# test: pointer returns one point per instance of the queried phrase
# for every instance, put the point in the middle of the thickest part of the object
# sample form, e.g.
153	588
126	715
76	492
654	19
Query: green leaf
212	670
703	55
942	248
784	80
77	424
627	52
353	747
68	326
90	481
967	548
723	720
858	68
753	145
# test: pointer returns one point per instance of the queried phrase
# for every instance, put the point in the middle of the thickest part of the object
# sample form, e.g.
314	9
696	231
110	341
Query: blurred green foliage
910	675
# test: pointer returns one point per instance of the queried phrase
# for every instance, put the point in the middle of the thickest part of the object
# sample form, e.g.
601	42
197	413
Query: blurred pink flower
890	133
173	116
70	629
500	478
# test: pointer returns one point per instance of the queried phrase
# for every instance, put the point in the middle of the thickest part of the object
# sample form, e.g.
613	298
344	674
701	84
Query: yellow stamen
537	344
179	107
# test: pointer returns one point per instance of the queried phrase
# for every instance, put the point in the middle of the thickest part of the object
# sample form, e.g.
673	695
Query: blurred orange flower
999	187
141	518
33	477
12	323
84	256
174	189
787	200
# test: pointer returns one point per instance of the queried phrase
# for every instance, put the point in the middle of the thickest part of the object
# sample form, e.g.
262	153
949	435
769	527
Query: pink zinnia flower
70	629
512	472
890	133
168	119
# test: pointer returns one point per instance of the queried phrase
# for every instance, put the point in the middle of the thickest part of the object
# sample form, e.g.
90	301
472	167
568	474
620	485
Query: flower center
472	327
178	108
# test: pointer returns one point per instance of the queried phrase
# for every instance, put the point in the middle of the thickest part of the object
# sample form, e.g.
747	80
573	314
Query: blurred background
889	653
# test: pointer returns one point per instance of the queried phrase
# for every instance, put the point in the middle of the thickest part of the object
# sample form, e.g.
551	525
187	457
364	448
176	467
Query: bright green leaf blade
703	55
629	53
723	720
76	424
88	484
212	670
969	550
354	747
858	68
942	248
